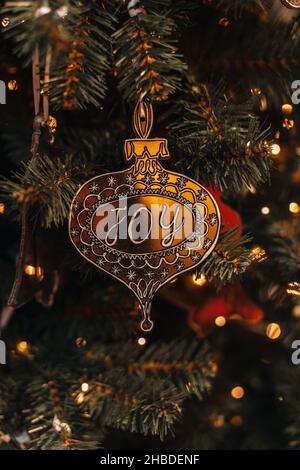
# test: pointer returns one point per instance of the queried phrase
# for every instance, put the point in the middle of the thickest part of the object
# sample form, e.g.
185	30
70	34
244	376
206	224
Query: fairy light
34	271
5	22
85	387
213	367
12	85
217	420
258	254
296	311
224	22
2	207
220	321
141	341
273	331
275	149
294	208
288	123
199	280
263	104
22	347
80	342
237	392
265	210
256	91
293	289
236	420
80	398
287	108
62	11
42	10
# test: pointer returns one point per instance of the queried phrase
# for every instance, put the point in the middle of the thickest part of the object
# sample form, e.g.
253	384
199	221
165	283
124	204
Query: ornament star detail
181	181
213	219
180	266
164	272
111	181
130	178
195	256
207	244
150	274
100	261
115	270
75	206
202	195
94	187
131	275
163	177
148	179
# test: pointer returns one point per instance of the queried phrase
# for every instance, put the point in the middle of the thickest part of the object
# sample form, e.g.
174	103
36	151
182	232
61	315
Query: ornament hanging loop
143	119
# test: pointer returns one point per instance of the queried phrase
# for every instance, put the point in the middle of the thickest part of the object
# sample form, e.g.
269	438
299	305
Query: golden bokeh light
220	321
12	85
199	280
275	149
84	387
294	208
273	331
265	210
22	347
5	22
34	271
296	311
287	108
141	341
237	392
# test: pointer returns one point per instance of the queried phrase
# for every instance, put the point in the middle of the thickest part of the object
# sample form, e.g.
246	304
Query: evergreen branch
10	419
188	374
147	61
53	410
149	406
272	67
48	185
80	43
124	392
282	261
192	373
80	78
231	257
223	141
27	28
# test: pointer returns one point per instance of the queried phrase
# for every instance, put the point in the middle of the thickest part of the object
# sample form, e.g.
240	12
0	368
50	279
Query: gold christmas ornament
144	225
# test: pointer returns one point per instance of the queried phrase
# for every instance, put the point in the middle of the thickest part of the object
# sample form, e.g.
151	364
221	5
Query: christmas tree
219	368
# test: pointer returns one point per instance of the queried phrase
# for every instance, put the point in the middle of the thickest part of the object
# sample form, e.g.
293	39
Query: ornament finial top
143	119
